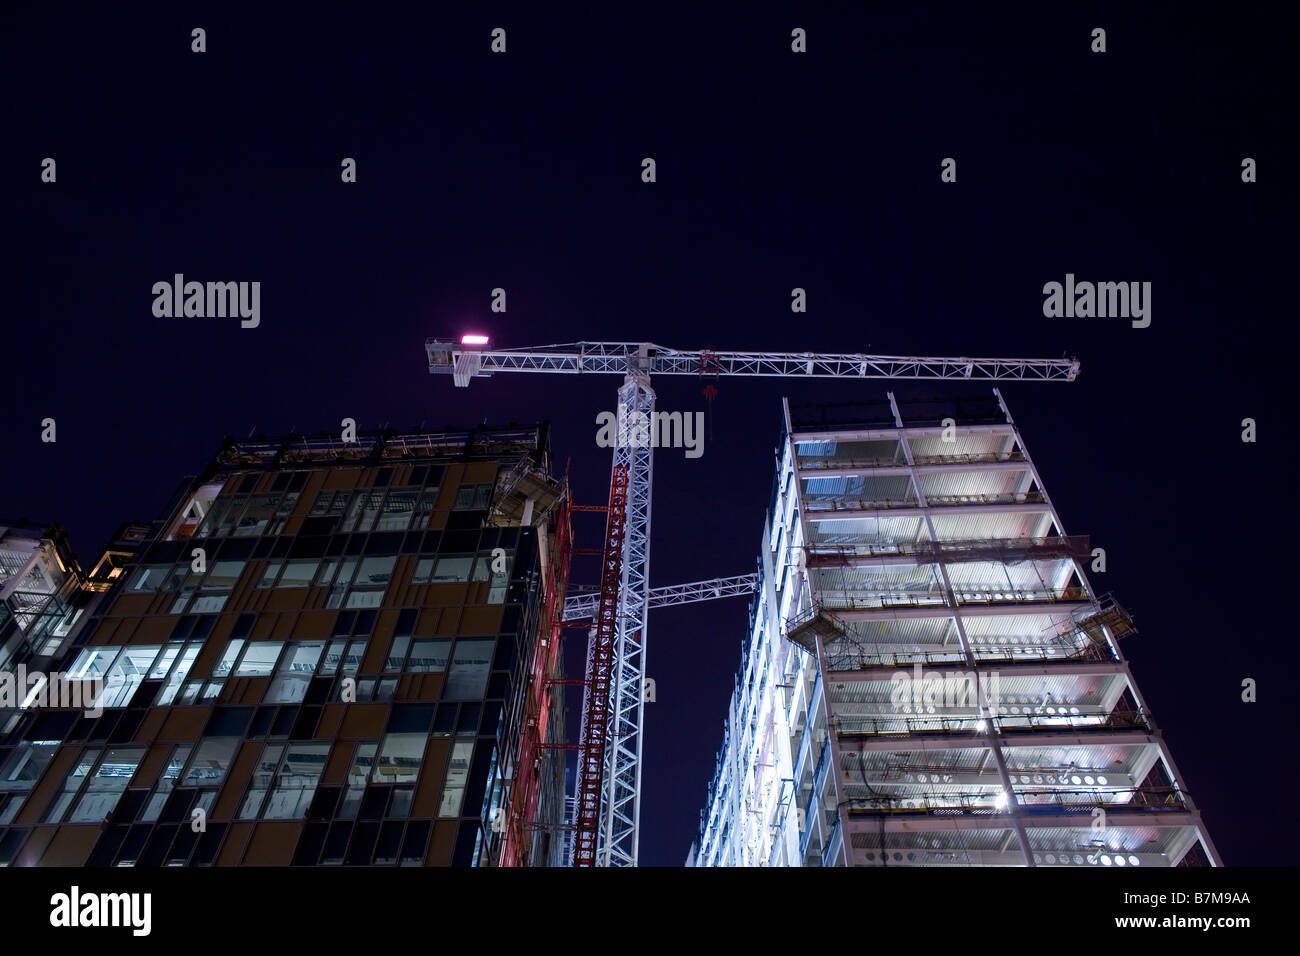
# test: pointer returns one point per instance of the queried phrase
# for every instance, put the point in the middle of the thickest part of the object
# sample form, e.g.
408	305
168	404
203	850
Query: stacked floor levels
929	678
324	653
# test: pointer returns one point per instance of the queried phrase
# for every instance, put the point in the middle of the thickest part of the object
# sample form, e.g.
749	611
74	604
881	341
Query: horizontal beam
581	606
620	358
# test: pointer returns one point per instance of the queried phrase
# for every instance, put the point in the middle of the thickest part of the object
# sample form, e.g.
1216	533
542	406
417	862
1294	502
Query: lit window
107	785
295	673
259	659
165	783
26	764
126	674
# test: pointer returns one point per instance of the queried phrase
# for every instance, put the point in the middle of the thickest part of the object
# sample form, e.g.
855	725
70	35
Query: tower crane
607	821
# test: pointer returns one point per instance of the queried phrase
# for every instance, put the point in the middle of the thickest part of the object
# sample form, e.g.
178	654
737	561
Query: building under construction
929	677
330	652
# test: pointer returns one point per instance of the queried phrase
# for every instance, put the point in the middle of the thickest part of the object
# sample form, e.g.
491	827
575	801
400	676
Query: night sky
775	170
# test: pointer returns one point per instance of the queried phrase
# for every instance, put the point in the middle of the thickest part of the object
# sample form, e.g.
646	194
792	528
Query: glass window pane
397	654
93	662
71	784
149	577
262	779
178	674
254	520
208	603
296	782
210	764
298	574
127	673
165	783
224	574
295	673
25	765
269	575
453	788
429	655
400	758
259	659
228	657
423	571
470	664
105	788
398	510
375	571
453	569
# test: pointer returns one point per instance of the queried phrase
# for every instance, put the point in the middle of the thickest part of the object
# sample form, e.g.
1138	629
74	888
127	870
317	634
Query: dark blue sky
821	171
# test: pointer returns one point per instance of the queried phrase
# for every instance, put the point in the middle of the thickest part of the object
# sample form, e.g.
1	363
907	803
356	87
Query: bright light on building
473	339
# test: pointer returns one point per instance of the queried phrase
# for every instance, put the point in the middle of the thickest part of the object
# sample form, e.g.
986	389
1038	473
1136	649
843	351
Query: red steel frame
517	839
591	770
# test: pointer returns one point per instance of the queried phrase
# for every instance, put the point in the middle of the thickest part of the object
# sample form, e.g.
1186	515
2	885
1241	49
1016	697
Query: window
425	507
397	653
256	516
166	782
210	763
470	663
400	758
149	577
223	574
423	572
283	511
428	656
472	497
398	511
454	568
105	788
71	784
126	674
262	779
295	673
296	784
259	659
362	768
26	764
453	788
270	574
298	574
371	574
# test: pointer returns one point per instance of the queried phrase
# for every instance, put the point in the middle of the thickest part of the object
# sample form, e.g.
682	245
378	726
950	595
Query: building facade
325	653
929	678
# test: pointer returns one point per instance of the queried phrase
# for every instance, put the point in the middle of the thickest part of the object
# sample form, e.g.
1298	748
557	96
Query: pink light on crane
473	339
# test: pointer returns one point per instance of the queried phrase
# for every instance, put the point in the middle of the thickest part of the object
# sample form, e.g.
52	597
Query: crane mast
608	804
